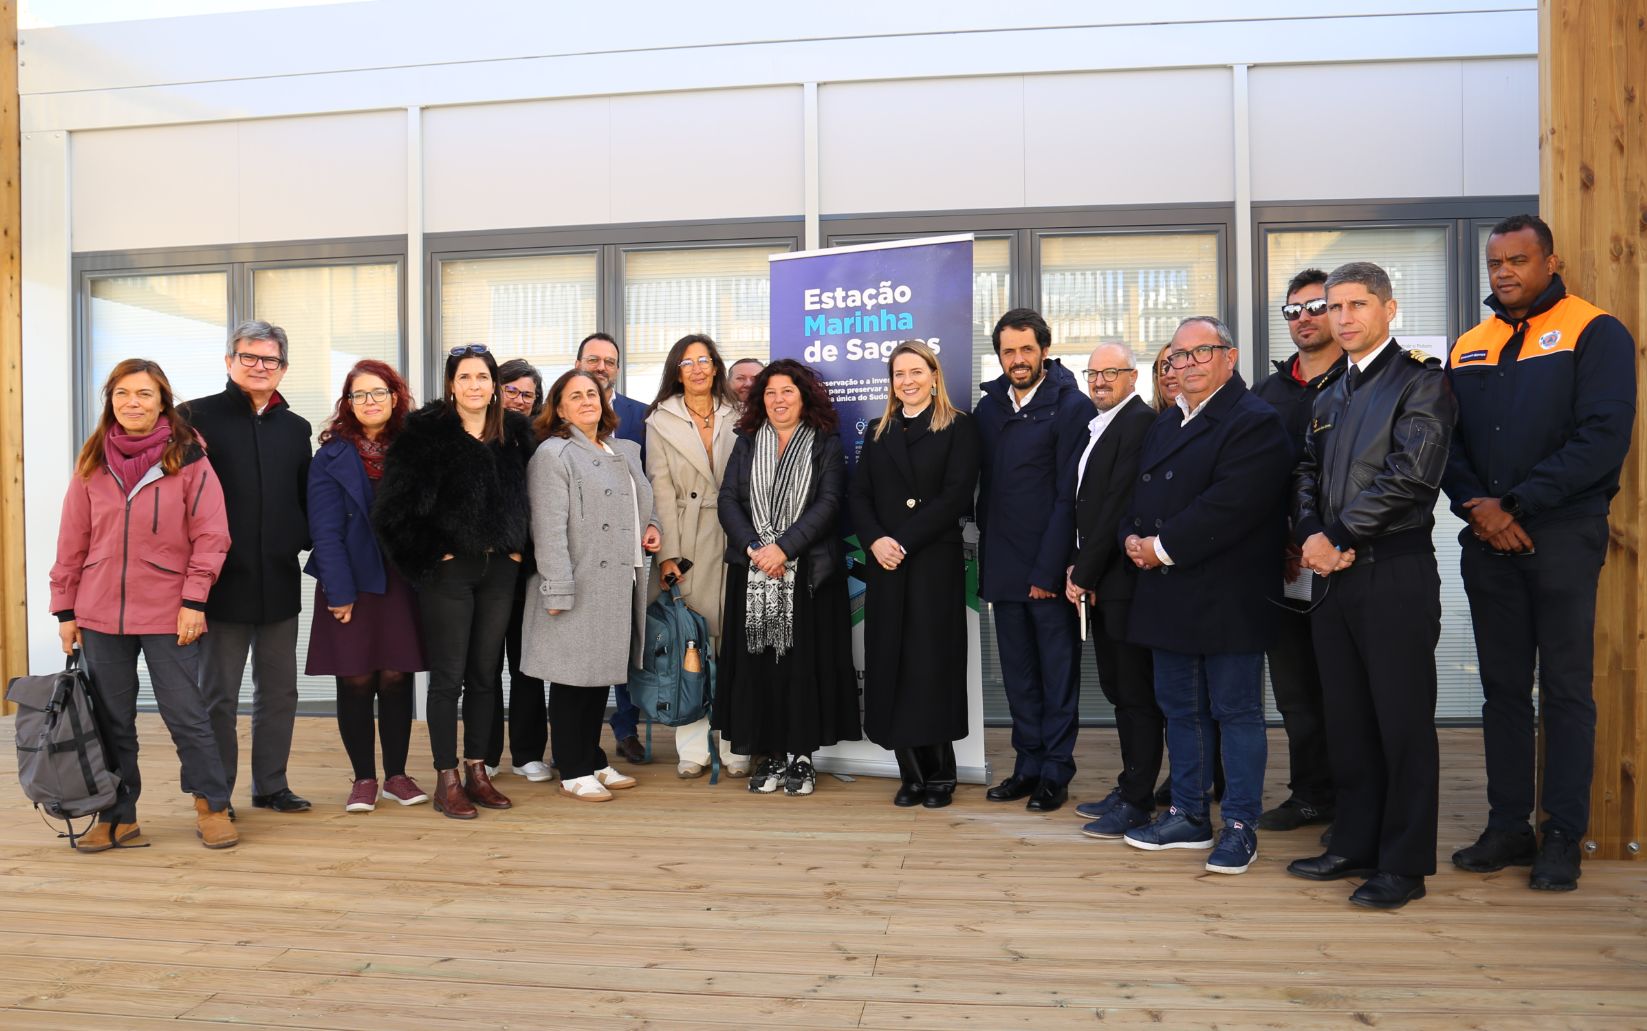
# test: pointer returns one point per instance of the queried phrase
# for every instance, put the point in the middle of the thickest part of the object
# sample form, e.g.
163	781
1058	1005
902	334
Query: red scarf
371	456
129	457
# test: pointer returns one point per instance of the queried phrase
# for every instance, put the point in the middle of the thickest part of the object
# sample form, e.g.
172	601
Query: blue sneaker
1096	810
1113	824
1172	829
1237	848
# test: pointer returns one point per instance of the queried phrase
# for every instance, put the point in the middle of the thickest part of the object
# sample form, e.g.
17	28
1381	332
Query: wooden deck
679	905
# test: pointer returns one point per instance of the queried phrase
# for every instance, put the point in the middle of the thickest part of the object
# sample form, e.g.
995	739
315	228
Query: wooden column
14	648
1592	78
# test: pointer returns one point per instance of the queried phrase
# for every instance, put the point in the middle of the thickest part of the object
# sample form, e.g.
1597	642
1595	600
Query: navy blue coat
1026	500
1215	493
631	421
346	558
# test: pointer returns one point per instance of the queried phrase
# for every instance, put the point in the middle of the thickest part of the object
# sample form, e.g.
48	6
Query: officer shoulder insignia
1422	358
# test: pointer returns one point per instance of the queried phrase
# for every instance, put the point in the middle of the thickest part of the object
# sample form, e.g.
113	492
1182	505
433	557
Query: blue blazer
346	558
1216	494
631	421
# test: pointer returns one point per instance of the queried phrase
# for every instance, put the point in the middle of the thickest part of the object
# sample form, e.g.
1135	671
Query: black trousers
574	729
528	726
928	766
1530	610
1296	678
1126	674
1375	635
465	606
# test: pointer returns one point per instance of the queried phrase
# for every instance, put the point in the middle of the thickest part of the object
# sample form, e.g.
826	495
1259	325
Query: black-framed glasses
1108	375
520	395
1163	366
360	397
1315	309
268	361
702	362
467	349
1201	355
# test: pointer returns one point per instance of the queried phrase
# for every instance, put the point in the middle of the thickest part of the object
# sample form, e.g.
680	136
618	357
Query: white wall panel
921	145
498	166
1128	138
714	154
1357	131
312	178
157	187
1500	123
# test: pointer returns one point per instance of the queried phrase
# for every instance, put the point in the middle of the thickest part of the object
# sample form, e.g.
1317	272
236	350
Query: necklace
702	416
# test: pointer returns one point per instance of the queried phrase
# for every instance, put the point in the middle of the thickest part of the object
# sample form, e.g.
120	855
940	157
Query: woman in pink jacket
141	542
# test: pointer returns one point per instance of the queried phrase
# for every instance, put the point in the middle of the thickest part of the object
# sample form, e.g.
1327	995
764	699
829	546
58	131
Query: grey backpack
62	763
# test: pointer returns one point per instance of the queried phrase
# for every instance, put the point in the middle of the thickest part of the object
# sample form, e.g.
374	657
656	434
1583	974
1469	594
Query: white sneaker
613	780
492	771
689	770
536	772
585	789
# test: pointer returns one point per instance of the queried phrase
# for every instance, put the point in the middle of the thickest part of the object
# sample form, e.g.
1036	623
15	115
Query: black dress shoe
909	795
1048	798
631	751
1388	891
1013	788
1328	867
282	801
938	797
1557	865
1496	849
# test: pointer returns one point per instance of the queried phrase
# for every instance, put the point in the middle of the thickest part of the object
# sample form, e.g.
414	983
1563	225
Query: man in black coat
1103	577
1032	425
1292	389
1364	513
259	449
1206	525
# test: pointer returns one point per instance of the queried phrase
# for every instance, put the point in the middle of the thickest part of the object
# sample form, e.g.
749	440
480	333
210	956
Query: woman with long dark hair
142	539
689	434
914	483
365	631
786	685
451	513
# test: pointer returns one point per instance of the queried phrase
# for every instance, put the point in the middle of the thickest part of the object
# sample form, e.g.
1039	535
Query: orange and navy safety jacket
1545	408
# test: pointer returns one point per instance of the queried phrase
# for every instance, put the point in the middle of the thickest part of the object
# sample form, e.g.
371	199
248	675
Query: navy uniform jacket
631	421
1215	493
1026	502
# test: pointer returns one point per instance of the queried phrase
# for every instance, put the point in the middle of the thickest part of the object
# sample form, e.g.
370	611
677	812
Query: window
723	292
991	298
1125	288
178	319
535	307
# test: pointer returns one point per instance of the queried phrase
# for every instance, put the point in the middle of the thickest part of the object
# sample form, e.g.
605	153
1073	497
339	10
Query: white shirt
1095	429
1371	356
1018	405
1190	413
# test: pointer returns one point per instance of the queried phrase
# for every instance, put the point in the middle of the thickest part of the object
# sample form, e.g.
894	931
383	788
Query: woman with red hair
366	631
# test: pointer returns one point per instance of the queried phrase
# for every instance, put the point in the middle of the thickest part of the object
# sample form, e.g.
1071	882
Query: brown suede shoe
449	798
104	836
478	786
213	829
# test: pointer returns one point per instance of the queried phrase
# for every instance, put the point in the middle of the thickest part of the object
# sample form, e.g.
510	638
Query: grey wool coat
687	483
584	502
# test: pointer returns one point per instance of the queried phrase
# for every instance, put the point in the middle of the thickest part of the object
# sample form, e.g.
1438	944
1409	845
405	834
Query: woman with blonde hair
914	483
1164	379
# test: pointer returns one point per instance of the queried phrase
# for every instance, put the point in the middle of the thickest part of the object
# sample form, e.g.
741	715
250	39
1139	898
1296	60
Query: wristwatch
1511	505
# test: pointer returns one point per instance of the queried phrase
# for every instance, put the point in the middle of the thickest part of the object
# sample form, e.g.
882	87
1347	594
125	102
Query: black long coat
914	485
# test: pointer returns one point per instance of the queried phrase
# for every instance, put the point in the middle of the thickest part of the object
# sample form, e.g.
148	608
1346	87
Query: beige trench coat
686	486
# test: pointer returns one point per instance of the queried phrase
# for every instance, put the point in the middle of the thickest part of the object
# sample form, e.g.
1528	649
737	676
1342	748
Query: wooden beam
1592	72
14	647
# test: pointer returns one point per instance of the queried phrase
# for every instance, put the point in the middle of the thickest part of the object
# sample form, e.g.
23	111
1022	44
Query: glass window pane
1414	256
991	298
719	291
179	320
1125	288
1483	285
535	307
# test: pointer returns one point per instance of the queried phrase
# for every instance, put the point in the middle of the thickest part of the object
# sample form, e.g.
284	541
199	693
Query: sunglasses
1315	309
459	352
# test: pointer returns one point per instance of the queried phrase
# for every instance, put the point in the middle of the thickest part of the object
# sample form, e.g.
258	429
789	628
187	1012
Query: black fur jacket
444	492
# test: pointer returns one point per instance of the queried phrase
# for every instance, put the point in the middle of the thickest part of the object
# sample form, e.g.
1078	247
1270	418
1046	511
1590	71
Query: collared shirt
1012	392
1190	413
1371	356
1095	429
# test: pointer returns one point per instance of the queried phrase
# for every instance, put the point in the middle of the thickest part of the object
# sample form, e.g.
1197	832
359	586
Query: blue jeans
1194	691
625	715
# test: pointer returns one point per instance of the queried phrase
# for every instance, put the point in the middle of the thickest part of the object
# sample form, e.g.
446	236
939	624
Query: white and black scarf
777	493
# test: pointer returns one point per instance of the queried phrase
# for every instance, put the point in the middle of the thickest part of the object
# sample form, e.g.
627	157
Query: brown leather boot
213	829
449	798
478	786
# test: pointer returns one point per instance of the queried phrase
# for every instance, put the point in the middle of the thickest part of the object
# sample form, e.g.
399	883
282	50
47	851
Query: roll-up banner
843	311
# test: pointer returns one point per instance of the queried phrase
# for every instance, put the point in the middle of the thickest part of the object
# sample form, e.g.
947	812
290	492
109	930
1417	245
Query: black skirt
803	701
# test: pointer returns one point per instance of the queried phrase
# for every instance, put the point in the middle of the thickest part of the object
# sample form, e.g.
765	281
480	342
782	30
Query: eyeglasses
594	362
360	397
702	362
519	394
1315	309
1109	375
1202	355
252	361
459	352
1163	367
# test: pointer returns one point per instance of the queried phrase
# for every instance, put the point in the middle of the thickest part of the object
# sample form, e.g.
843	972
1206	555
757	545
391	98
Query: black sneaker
1496	849
768	776
1293	814
800	778
1555	868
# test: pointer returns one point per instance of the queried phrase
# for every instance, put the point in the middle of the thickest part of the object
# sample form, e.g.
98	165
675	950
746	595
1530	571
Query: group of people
1190	538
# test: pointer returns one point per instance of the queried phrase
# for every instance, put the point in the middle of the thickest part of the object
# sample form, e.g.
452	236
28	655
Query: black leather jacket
1374	455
